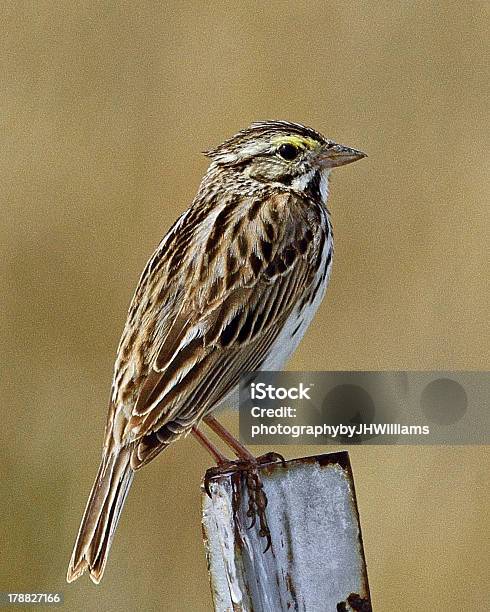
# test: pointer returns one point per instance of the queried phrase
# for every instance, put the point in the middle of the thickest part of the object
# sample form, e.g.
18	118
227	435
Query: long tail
101	516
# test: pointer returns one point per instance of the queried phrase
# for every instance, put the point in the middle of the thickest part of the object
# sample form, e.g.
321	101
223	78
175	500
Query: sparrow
231	288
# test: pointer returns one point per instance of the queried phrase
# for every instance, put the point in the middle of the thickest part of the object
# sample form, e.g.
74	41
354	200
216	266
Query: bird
231	288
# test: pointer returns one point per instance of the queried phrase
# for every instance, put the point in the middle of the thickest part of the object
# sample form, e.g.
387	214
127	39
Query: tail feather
101	516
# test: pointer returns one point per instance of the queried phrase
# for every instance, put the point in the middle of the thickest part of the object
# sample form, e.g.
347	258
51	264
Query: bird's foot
257	503
257	499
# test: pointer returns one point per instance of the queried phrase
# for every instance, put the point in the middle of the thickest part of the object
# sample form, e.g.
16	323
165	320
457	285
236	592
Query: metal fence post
316	561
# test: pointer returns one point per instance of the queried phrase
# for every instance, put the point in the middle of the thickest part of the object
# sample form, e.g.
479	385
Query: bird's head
282	152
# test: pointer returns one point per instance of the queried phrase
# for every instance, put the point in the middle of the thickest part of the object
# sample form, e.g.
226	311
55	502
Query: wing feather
240	289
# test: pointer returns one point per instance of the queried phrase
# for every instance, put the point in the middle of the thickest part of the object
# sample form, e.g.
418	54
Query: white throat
300	183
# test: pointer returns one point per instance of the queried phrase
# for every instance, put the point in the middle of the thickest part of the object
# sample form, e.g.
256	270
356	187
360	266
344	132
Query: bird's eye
288	151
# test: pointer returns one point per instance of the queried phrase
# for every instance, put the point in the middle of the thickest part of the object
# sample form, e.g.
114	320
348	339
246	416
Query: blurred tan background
105	107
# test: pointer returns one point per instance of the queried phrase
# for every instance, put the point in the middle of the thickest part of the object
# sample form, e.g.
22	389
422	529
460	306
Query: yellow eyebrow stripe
296	141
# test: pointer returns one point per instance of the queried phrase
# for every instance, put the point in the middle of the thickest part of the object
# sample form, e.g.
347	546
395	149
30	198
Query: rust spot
292	590
341	458
354	603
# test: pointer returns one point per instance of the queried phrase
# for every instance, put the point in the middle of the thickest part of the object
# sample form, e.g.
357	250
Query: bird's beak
333	155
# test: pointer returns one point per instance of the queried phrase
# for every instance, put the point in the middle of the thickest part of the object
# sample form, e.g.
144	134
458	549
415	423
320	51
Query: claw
257	504
207	483
269	543
208	476
271	458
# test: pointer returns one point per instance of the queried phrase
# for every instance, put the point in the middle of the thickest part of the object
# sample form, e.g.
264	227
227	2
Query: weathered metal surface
316	561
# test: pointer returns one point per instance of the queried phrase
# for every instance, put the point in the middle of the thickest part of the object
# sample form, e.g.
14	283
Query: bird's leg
209	446
248	464
240	451
223	464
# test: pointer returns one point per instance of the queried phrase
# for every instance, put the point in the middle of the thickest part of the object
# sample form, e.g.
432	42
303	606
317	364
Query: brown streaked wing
222	375
236	330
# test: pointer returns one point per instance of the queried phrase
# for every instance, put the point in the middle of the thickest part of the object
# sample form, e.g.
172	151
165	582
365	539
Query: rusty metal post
316	561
